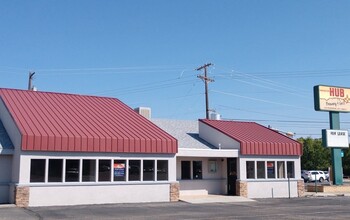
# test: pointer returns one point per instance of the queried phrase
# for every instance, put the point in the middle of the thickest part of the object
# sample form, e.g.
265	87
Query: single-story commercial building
234	158
65	149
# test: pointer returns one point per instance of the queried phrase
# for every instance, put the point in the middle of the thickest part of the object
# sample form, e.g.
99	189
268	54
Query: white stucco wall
16	138
98	194
216	138
10	126
272	189
5	177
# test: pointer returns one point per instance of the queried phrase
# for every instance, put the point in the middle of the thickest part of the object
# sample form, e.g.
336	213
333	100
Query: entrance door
231	175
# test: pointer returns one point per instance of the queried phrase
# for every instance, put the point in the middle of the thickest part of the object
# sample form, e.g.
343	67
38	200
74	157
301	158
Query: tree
346	162
315	156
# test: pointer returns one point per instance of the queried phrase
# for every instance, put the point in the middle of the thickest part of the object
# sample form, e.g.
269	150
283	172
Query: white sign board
335	138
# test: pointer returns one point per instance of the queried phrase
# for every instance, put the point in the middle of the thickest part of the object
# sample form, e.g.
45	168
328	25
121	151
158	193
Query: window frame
250	169
166	172
291	162
31	170
49	171
283	171
264	169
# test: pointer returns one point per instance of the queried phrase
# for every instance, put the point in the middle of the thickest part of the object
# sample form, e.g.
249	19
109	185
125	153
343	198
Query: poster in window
119	169
270	168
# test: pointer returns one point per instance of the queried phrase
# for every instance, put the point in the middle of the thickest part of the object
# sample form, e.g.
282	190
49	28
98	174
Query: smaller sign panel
331	98
119	169
335	138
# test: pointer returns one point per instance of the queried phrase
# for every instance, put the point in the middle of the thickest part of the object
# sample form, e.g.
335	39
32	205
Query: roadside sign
335	138
331	98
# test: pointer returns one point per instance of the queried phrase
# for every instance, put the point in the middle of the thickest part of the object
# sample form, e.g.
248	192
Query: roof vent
144	111
215	116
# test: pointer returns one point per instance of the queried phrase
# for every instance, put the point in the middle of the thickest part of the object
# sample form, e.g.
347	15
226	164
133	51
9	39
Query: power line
256	99
284	121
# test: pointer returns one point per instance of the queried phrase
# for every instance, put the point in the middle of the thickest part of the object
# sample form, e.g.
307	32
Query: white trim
207	153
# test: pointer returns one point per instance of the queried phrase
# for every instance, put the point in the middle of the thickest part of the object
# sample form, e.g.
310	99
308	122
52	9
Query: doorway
231	176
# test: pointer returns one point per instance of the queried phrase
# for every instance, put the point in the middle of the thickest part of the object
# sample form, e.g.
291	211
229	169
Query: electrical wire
256	99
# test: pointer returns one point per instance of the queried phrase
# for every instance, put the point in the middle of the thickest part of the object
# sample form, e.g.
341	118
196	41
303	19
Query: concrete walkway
323	194
199	199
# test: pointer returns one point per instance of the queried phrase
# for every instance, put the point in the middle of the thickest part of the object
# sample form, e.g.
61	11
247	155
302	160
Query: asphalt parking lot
296	208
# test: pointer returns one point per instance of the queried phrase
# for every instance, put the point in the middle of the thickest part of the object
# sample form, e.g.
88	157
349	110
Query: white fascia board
188	152
6	151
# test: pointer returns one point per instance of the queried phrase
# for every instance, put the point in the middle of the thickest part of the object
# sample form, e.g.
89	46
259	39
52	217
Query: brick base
242	189
22	196
174	192
329	189
301	188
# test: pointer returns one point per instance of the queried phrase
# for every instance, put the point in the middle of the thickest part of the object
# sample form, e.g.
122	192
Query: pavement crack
33	213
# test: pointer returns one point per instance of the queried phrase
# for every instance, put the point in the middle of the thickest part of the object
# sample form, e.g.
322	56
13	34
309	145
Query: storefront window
197	169
162	170
260	169
104	170
280	169
119	169
185	170
92	170
55	170
271	169
290	169
37	170
89	170
250	170
72	170
134	170
148	170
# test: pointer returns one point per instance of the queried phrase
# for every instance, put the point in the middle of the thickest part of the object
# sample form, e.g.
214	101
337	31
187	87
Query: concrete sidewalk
200	199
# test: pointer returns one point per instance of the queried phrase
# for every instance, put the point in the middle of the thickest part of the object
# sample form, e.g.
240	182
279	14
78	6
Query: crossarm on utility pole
206	80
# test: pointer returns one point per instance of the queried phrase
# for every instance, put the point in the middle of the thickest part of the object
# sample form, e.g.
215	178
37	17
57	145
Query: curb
327	195
7	206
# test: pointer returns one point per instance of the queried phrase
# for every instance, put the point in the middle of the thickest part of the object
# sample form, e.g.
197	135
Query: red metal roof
256	139
77	123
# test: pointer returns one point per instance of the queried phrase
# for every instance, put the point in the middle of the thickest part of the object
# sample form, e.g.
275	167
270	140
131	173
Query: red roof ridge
58	93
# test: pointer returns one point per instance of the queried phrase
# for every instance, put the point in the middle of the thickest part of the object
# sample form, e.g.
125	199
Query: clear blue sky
267	55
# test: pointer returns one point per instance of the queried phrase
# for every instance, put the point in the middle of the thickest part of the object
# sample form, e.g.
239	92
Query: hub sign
331	98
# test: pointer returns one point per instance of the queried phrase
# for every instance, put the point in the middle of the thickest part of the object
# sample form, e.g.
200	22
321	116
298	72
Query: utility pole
206	80
31	75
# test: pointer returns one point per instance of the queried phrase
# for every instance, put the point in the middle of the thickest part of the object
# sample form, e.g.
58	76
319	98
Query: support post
337	166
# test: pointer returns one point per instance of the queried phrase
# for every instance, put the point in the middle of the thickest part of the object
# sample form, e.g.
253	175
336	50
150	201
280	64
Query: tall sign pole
206	80
334	100
337	166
